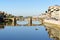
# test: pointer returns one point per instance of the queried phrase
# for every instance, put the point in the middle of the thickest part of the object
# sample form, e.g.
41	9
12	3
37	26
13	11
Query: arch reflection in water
22	23
26	23
53	32
2	24
36	23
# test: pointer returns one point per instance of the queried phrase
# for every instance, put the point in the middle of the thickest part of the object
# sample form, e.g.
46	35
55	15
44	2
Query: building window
49	9
57	9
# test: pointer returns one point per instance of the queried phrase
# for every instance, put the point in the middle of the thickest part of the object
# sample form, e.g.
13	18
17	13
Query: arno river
17	32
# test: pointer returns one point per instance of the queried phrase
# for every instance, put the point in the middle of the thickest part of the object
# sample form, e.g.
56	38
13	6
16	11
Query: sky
26	7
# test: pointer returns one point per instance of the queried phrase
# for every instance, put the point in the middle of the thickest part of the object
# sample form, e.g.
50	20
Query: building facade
55	12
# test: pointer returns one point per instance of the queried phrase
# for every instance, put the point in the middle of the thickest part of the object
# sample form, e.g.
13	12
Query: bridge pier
13	21
30	21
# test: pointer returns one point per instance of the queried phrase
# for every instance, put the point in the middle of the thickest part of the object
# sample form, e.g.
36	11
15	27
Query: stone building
54	12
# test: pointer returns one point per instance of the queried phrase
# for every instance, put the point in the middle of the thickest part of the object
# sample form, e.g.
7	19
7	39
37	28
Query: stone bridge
12	20
31	19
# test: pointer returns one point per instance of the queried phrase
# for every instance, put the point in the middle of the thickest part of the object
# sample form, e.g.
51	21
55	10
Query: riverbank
52	26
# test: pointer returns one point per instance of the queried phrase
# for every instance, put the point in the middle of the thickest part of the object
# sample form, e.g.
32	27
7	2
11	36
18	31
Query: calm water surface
24	33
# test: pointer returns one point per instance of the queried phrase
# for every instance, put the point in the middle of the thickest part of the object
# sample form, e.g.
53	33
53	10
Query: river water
23	33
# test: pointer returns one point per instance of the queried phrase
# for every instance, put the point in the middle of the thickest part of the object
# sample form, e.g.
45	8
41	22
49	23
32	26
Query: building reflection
53	33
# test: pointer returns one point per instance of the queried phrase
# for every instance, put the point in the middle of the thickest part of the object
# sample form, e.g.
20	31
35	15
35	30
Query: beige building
54	11
52	24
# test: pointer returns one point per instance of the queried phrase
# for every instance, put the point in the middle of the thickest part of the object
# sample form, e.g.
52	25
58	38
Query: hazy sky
26	7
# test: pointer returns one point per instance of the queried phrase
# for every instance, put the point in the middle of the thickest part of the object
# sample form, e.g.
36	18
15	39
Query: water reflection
22	23
1	25
18	23
53	32
35	22
22	33
26	23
